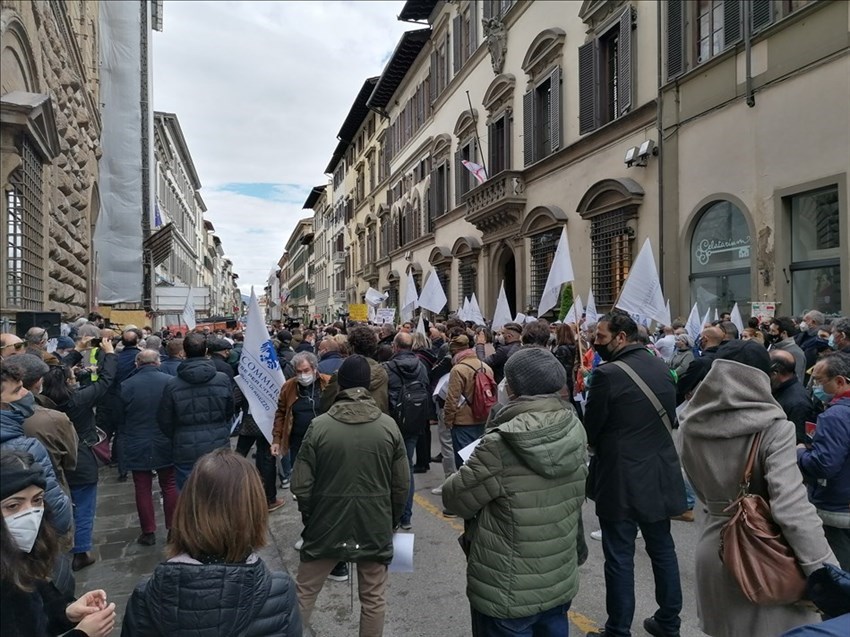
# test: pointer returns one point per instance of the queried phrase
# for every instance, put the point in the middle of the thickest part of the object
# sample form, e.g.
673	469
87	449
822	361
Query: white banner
189	311
260	376
385	315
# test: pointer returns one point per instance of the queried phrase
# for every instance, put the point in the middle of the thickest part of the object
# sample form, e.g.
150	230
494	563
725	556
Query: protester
362	341
196	409
146	448
521	493
173	357
730	406
752	333
423	349
78	402
506	345
329	357
683	355
635	478
567	354
825	460
11	345
780	335
36	339
351	480
214	584
30	605
790	393
710	340
839	339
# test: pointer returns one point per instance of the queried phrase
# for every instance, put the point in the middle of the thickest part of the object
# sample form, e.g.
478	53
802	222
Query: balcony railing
339	257
496	203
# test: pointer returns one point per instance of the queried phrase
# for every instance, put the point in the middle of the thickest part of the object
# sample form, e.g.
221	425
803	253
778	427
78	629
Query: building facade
50	131
297	273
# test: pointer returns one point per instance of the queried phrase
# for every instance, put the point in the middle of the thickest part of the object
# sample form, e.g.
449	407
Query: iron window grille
25	234
467	271
543	248
392	295
610	237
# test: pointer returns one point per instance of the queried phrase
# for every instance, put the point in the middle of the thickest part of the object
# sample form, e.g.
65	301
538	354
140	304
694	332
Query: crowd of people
529	419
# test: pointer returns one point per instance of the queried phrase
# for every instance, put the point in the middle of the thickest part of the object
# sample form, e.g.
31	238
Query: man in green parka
521	494
351	479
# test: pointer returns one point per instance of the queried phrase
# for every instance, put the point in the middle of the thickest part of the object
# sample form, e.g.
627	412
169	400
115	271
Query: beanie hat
459	343
354	372
750	353
64	342
532	371
19	474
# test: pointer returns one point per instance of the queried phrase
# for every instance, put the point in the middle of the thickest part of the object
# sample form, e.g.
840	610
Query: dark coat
407	366
80	409
827	464
798	407
497	359
126	365
635	472
36	613
330	363
196	410
144	448
185	597
169	365
695	373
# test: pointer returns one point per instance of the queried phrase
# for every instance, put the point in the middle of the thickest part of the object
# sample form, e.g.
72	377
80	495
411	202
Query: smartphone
95	342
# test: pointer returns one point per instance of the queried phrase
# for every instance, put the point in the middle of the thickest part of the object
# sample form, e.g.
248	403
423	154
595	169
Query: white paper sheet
466	452
402	553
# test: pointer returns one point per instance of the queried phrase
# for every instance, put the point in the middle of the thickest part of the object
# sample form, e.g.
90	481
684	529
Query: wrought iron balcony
497	203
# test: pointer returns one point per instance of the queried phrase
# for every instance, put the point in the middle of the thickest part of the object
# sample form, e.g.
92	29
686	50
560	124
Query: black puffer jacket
196	410
186	598
145	448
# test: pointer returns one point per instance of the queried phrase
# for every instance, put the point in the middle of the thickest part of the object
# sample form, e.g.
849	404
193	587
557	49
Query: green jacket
523	489
351	479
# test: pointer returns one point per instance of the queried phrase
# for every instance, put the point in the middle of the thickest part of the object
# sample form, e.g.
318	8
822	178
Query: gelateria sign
707	248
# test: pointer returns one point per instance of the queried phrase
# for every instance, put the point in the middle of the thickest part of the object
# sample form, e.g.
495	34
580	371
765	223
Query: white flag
502	314
735	317
189	311
575	312
260	376
463	312
374	298
669	315
641	294
561	272
716	315
693	327
433	296
420	327
477	170
590	312
475	314
411	299
705	320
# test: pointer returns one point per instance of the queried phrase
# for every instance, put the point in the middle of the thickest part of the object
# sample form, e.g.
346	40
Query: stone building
297	272
50	132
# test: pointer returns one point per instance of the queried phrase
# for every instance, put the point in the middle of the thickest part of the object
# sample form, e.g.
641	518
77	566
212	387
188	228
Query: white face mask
23	527
305	379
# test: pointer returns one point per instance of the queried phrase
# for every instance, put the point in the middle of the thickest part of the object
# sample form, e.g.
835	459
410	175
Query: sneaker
146	539
597	535
437	491
448	514
340	573
284	484
294	497
274	506
299	544
405	526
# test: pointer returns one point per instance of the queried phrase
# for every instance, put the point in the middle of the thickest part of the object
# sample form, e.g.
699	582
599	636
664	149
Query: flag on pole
590	313
669	315
189	311
475	314
716	315
705	320
411	299
374	298
433	297
735	317
502	314
641	294
157	216
561	272
260	376
420	327
463	312
477	170
575	312
693	327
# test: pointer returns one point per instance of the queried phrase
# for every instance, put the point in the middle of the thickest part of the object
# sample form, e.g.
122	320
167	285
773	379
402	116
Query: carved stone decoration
496	35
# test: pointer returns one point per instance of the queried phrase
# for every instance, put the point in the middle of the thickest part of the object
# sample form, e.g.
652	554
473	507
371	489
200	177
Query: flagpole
475	128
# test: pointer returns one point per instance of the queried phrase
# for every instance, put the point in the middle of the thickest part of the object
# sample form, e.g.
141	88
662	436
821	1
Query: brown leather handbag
754	551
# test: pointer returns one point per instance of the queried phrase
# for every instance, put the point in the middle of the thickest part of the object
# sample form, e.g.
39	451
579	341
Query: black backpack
410	410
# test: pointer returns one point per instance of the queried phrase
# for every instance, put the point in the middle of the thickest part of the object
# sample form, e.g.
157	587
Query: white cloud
261	90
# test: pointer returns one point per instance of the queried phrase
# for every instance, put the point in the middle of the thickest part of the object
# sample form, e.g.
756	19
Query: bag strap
656	404
751	460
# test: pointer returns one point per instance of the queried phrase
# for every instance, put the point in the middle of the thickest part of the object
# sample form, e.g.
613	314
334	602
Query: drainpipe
748	52
659	112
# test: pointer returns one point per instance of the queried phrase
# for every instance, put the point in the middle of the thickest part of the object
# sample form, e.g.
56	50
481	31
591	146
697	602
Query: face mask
305	379
772	338
23	527
605	351
821	395
831	342
552	339
500	339
25	406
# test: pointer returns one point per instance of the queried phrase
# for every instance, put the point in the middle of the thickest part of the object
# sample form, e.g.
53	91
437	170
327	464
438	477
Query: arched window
720	258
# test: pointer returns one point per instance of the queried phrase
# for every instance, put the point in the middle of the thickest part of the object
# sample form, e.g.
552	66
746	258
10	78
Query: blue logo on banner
268	356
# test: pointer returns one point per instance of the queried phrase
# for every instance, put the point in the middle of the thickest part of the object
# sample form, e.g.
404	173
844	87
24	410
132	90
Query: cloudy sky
261	90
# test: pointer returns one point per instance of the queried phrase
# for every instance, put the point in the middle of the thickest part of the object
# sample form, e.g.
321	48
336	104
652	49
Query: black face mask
606	353
772	338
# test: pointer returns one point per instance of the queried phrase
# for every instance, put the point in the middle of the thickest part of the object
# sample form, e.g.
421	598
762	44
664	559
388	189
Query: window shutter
761	14
624	79
587	87
457	26
528	127
675	38
432	85
506	159
555	109
731	22
473	26
459	170
488	9
432	199
491	148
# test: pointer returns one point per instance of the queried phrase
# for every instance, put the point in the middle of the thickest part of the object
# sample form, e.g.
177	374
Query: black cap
750	353
284	336
218	345
354	372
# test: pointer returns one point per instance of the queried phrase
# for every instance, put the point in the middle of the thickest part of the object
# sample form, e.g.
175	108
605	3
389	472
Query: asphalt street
430	602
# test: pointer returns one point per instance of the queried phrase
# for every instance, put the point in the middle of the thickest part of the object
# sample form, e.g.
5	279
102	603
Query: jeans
410	446
294	448
423	448
549	623
143	483
285	468
839	541
463	435
181	474
265	463
690	496
84	498
618	545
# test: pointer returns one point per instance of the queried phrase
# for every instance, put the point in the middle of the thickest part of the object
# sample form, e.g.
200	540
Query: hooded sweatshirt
184	597
524	487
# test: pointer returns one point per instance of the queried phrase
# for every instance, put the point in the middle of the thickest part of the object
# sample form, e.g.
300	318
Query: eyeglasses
18	346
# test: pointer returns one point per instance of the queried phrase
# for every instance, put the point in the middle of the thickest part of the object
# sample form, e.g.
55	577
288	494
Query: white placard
402	553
